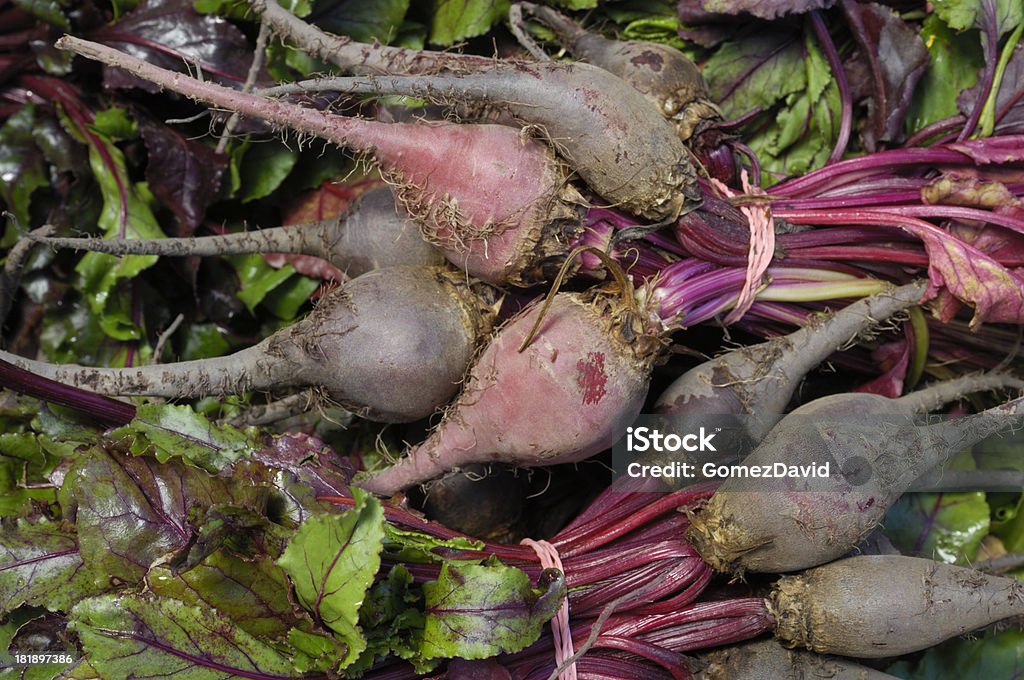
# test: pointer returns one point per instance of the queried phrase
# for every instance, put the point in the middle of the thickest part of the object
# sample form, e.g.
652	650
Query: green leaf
257	278
332	561
807	125
314	653
393	622
955	62
659	29
24	468
177	431
999	655
263	168
456	20
403	545
576	4
126	214
144	636
22	169
964	14
40	565
947	527
286	299
48	11
252	593
363	20
133	513
114	124
203	341
478	611
756	72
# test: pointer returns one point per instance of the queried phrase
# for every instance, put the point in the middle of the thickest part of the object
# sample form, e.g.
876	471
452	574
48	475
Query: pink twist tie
564	649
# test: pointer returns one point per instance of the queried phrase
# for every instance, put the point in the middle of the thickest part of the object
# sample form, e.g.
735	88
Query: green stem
919	352
987	122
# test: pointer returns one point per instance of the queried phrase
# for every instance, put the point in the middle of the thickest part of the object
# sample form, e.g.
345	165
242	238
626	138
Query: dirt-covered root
605	130
769	660
664	75
873	452
480	191
370	236
609	133
391	345
760	380
564	398
876	606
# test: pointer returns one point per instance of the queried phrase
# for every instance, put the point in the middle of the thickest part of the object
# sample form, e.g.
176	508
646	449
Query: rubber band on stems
560	630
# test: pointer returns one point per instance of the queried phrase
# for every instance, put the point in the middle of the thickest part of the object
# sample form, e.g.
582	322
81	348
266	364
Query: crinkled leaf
310	460
167	431
764	9
40	565
185	174
241	531
182	34
314	653
25	466
969	191
22	167
756	72
479	611
331	561
253	593
995	292
998	655
404	545
897	59
144	636
964	14
392	620
947	527
456	20
132	513
806	125
955	60
362	20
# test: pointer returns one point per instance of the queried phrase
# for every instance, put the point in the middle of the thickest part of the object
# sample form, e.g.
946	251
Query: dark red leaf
169	32
184	174
897	58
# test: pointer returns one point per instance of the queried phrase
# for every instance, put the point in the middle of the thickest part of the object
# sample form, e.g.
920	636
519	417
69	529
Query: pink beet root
495	200
564	398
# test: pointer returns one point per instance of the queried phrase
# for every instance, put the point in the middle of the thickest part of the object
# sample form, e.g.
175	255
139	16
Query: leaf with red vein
144	636
40	565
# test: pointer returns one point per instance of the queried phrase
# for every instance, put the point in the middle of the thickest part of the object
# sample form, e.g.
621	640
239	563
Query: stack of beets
581	175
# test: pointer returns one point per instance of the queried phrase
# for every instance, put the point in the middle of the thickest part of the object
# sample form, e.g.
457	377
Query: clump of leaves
173	543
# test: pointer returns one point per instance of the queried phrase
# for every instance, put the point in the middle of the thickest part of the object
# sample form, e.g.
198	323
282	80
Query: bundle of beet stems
635	588
639	597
